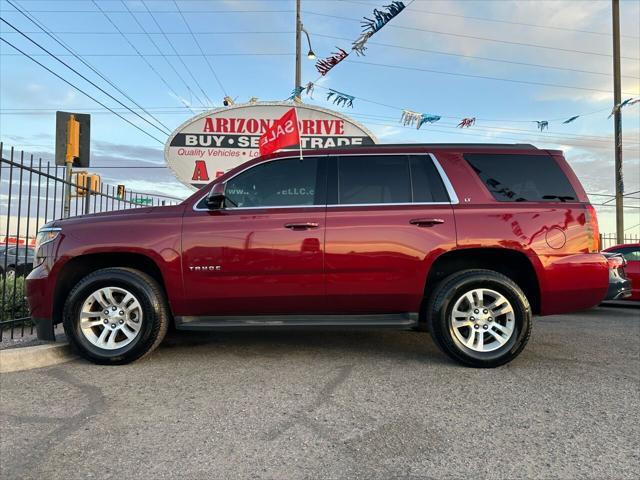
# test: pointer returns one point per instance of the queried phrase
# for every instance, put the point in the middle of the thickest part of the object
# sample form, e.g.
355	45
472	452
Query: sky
509	63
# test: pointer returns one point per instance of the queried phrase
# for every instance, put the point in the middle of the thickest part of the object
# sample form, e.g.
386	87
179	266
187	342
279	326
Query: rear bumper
619	289
573	282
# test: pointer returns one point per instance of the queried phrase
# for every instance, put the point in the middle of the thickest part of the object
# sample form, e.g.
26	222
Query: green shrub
8	309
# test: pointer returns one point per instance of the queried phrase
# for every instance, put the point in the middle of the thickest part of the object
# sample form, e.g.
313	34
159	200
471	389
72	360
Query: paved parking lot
356	404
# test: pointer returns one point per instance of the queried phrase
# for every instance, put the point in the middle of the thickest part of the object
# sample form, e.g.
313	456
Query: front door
388	217
262	253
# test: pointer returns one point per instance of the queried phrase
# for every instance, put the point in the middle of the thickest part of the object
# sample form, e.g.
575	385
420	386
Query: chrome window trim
453	197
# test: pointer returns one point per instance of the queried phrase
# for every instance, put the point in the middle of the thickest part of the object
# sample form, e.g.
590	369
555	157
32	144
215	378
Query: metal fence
609	239
32	193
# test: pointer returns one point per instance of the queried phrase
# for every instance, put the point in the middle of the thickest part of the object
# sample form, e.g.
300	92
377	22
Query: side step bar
393	320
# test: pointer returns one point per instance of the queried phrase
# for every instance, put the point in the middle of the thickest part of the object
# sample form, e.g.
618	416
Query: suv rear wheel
480	318
116	315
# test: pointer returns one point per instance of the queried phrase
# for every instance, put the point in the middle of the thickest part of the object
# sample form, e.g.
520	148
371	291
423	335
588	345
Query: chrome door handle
301	226
426	222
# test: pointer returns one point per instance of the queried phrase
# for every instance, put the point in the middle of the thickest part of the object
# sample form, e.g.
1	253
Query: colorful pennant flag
410	118
625	103
543	125
467	122
296	92
340	99
324	65
371	26
426	118
309	89
382	17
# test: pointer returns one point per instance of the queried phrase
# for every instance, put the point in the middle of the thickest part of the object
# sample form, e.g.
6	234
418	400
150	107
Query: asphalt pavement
372	404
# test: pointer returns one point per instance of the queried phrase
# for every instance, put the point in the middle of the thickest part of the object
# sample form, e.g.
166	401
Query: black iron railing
32	192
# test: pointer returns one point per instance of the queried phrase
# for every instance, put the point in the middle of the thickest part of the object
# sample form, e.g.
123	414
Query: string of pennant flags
370	26
418	119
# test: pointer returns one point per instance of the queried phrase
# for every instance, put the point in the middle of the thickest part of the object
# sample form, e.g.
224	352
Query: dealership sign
218	140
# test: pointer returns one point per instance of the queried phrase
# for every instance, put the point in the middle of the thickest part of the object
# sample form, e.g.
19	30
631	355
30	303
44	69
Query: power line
577	137
485	39
86	79
178	97
40	25
144	31
230	32
215	75
488	59
172	48
66	10
486	77
493	20
266	54
80	90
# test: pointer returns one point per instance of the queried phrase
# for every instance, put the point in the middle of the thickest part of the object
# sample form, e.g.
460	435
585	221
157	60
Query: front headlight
45	235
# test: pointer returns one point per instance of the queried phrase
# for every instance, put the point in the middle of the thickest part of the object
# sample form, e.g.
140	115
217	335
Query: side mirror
216	198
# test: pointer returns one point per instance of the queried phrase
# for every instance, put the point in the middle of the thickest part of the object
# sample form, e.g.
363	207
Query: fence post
87	200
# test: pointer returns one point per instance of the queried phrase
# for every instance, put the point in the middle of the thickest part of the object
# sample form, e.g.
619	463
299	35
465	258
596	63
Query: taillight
592	229
615	262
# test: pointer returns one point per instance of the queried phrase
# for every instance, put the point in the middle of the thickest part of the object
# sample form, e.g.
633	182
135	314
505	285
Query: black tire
155	315
440	306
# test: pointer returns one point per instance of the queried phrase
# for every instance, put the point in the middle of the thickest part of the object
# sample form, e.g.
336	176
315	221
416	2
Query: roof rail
504	146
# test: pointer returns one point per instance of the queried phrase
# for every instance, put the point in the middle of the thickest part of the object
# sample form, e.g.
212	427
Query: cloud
570	14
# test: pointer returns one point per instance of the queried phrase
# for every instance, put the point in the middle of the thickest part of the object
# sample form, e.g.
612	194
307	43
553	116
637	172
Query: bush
8	309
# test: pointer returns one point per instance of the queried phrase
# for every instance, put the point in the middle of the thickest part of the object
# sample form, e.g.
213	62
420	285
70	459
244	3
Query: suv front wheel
480	318
116	315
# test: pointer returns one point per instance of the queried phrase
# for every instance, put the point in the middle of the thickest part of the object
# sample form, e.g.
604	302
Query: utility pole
298	59
617	121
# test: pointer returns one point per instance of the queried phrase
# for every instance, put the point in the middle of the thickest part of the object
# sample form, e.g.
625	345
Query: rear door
388	217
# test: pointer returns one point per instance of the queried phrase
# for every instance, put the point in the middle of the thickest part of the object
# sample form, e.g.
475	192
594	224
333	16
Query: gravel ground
372	404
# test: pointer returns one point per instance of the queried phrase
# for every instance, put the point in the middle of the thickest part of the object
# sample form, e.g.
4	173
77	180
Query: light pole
311	56
617	122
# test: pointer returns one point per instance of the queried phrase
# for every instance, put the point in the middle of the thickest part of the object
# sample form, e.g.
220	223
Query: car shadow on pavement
378	343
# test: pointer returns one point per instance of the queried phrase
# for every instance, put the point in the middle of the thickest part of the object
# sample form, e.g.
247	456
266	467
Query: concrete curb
26	358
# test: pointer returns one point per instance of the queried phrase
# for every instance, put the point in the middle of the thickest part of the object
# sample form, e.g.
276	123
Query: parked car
466	241
15	260
619	284
631	253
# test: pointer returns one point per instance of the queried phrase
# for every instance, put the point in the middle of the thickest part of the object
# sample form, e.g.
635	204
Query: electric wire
86	79
43	27
149	64
186	67
80	90
206	59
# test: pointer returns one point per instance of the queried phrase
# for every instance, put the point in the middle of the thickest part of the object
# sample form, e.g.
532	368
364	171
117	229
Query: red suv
465	241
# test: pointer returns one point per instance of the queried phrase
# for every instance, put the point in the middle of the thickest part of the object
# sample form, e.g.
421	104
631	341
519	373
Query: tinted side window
427	183
522	178
280	183
373	179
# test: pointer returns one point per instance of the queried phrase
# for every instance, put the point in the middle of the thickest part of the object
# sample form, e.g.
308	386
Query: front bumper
44	329
39	293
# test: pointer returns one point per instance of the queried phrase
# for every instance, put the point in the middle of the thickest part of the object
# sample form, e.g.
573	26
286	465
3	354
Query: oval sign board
215	141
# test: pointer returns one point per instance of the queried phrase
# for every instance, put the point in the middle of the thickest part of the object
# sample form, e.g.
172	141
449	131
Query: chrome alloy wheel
482	320
111	318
